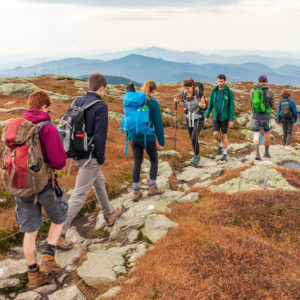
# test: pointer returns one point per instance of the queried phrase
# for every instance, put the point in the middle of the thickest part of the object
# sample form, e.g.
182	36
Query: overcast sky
45	28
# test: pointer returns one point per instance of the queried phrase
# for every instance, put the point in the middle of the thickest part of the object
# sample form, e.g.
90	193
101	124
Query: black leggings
194	133
138	151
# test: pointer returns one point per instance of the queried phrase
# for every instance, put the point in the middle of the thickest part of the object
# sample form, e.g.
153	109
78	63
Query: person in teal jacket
137	145
221	101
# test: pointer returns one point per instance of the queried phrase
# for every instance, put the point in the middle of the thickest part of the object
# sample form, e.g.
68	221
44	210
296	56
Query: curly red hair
38	99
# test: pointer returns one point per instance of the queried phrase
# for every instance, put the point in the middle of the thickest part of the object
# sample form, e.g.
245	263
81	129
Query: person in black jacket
89	174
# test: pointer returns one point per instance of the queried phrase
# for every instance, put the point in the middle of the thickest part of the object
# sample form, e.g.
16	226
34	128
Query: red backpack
24	171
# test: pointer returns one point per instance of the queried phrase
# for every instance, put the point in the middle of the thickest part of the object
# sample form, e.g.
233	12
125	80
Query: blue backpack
136	120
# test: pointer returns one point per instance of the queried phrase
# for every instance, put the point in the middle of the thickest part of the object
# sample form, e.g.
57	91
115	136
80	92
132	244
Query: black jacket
96	121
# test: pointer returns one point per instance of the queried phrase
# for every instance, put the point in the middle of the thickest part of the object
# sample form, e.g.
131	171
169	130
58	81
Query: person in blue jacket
137	145
287	117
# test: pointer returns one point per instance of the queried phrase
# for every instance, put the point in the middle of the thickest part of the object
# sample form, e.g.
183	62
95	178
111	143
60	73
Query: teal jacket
228	111
155	116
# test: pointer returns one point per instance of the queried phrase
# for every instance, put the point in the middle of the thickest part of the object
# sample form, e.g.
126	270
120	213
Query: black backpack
285	111
72	131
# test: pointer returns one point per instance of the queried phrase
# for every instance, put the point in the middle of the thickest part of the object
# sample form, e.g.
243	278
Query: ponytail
148	87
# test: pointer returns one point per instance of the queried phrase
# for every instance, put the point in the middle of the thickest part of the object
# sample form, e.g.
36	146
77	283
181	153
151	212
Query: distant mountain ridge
114	80
140	68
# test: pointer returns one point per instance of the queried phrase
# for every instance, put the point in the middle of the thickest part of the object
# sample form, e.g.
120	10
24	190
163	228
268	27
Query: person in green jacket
137	145
222	102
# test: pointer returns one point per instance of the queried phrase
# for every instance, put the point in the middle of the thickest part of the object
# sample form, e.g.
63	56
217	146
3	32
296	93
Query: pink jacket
51	145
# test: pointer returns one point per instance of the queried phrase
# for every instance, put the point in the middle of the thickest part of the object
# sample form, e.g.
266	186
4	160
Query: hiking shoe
49	265
258	157
112	218
219	151
196	160
63	244
224	157
267	155
36	279
137	195
153	190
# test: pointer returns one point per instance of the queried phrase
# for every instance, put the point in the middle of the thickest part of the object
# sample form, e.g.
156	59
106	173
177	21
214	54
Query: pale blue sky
51	28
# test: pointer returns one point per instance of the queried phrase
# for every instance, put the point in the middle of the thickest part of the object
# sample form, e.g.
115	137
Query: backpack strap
43	124
145	135
91	104
127	142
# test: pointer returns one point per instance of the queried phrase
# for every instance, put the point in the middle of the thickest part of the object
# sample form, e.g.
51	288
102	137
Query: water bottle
145	114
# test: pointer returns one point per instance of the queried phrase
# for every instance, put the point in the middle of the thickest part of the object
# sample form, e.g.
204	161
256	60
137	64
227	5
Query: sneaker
224	157
219	151
196	160
49	265
137	195
37	279
63	244
153	190
267	155
112	218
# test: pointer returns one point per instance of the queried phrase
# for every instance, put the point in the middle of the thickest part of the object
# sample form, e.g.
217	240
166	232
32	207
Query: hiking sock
33	268
152	182
225	151
50	250
136	185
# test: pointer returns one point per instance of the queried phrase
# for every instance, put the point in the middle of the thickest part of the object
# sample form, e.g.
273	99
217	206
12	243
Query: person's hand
231	124
202	105
206	121
176	100
160	147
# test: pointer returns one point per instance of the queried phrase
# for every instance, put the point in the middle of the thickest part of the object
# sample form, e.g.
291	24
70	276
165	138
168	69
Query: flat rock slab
191	173
257	178
98	268
70	293
110	293
11	272
156	226
191	197
29	295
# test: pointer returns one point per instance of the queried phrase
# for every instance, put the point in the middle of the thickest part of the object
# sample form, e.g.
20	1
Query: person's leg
267	144
289	132
256	127
137	151
29	247
195	136
84	182
285	132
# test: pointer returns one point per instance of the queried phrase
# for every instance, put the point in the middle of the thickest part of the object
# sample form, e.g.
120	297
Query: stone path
141	225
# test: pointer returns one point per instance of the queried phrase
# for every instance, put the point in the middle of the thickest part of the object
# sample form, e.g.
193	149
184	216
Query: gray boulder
69	293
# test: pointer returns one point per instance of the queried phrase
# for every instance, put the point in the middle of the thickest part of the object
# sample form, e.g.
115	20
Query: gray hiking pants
287	128
87	177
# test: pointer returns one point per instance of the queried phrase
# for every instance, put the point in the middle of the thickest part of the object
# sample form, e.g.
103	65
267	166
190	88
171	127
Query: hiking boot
257	155
137	195
196	160
219	151
63	244
153	190
49	265
112	218
267	154
224	157
36	279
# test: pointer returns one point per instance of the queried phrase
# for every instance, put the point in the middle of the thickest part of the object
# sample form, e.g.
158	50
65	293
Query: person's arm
158	124
100	132
279	120
53	147
232	107
294	110
210	106
272	99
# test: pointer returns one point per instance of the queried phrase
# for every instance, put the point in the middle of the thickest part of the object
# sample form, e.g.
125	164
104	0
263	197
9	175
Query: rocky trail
107	253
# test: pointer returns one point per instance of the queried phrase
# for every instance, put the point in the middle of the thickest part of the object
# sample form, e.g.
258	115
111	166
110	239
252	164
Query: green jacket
227	106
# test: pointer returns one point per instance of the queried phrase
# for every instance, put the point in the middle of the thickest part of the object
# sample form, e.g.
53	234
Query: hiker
138	145
194	108
286	117
222	102
262	101
49	154
90	162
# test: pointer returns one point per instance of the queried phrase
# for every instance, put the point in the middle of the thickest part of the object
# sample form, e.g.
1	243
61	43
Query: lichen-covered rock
69	293
191	197
257	178
110	293
29	295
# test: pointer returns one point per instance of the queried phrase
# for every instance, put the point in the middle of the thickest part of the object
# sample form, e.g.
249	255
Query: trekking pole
70	166
175	122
